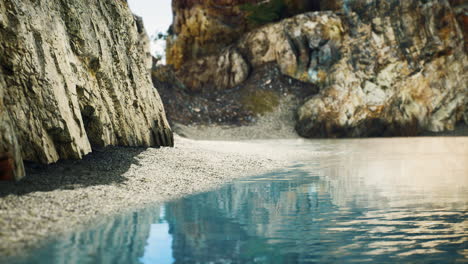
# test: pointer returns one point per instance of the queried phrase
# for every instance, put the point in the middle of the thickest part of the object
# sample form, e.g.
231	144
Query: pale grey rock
76	74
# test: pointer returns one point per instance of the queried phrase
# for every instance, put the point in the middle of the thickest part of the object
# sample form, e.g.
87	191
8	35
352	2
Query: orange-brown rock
202	28
402	69
390	68
7	168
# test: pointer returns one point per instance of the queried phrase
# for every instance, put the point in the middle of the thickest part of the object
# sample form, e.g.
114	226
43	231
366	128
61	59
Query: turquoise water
358	203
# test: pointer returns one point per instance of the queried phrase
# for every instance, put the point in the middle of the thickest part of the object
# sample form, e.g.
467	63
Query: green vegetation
260	102
266	12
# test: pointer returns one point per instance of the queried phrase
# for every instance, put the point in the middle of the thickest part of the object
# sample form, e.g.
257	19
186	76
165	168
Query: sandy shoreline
63	196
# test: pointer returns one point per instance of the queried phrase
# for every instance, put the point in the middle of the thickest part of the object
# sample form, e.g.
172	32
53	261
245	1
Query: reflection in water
378	200
293	218
120	239
159	243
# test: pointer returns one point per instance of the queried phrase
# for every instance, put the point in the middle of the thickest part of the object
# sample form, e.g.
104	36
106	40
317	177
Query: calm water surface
349	201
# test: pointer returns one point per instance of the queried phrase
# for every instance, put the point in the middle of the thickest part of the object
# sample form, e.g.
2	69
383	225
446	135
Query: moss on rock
261	101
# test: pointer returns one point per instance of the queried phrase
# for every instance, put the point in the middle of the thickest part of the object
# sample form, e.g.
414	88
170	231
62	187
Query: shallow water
342	201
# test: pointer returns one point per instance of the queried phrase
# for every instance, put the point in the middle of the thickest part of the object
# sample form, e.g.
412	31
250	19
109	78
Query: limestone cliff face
203	28
74	74
11	164
382	67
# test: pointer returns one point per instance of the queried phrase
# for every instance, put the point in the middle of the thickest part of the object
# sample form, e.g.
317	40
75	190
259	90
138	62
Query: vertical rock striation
11	164
460	7
75	74
203	28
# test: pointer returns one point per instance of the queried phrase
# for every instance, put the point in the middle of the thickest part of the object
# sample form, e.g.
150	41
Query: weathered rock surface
383	67
11	164
401	68
203	28
75	74
284	43
460	7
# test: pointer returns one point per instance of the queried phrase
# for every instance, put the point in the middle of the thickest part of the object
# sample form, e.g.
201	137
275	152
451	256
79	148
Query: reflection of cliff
242	221
192	234
356	197
347	200
121	239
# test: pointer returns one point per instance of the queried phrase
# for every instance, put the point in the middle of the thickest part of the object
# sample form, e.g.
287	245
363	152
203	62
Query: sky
157	17
158	247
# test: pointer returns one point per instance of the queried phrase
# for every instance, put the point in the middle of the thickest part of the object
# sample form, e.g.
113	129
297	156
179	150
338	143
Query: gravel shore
63	196
69	194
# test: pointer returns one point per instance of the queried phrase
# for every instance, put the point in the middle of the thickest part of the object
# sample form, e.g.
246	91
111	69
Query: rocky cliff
203	28
400	68
382	68
74	75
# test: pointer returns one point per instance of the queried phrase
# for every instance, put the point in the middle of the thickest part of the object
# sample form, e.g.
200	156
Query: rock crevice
74	75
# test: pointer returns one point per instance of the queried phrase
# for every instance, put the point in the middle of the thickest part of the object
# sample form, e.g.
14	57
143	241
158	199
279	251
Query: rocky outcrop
75	75
284	43
401	68
383	68
203	28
